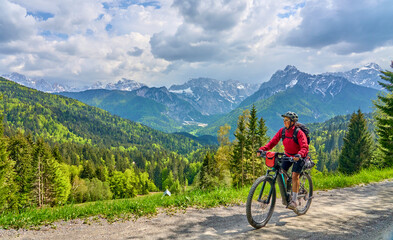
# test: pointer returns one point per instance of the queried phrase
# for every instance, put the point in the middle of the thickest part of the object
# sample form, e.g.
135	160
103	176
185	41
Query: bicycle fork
267	201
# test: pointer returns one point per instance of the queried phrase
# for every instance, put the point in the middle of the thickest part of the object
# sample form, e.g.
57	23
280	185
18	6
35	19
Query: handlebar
282	155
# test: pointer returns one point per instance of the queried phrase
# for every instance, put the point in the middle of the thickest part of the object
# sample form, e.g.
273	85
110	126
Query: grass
148	205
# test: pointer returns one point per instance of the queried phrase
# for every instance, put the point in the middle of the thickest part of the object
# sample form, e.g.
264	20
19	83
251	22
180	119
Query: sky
161	43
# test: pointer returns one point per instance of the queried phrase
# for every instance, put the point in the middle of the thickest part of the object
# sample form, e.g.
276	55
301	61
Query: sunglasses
287	120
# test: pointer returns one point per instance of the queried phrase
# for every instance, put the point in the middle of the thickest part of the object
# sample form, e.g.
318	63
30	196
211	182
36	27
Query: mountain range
210	96
201	105
39	84
315	98
175	109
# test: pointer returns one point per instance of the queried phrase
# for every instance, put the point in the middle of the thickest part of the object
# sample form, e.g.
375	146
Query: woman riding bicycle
292	149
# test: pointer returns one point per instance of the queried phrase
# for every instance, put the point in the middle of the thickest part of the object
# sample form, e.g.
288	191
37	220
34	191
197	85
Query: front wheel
305	194
260	202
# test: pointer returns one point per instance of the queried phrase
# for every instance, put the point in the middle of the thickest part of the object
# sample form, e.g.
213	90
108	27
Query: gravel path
362	212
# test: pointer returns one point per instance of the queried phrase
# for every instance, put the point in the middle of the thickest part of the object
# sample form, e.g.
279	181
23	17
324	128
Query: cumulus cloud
136	52
169	41
14	22
344	26
212	14
219	30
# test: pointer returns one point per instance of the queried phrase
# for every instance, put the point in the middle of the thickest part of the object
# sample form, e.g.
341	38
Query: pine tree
237	163
262	139
50	185
252	140
384	118
357	145
208	175
8	188
20	151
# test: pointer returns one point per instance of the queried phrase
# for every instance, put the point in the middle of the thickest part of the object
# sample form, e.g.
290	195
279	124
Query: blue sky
160	43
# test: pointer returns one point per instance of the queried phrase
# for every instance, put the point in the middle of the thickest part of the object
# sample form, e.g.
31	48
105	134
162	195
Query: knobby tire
254	208
305	194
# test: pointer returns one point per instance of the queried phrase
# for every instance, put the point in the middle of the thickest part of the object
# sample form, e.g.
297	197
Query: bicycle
262	196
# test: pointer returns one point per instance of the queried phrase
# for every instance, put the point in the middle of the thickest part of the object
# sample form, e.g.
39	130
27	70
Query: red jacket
290	147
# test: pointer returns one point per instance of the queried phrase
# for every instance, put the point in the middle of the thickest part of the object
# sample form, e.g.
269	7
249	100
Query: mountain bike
262	196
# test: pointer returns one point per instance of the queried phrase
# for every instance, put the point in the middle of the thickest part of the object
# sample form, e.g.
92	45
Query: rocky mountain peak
290	68
366	76
39	84
211	96
124	85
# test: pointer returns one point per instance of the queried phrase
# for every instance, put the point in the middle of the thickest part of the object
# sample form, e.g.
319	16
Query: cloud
15	24
343	26
169	41
212	15
188	44
218	31
136	52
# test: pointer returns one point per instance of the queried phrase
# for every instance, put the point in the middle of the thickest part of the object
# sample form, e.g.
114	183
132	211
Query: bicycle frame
279	177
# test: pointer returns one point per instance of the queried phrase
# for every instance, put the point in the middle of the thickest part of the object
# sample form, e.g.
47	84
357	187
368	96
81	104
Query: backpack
301	127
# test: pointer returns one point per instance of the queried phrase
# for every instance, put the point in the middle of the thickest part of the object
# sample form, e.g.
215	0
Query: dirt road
363	212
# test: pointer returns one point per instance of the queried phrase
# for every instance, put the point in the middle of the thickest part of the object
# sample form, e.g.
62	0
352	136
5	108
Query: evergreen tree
262	139
252	140
20	151
237	163
384	118
8	188
50	186
208	174
357	145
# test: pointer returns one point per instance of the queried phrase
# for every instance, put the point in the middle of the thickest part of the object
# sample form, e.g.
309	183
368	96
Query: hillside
61	119
154	107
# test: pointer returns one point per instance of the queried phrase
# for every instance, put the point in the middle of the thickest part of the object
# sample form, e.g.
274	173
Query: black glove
261	153
297	156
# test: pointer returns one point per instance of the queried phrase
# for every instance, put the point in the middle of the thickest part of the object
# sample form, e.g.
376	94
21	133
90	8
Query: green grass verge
148	205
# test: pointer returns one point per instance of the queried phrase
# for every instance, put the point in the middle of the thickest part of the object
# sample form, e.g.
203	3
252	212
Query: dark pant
297	167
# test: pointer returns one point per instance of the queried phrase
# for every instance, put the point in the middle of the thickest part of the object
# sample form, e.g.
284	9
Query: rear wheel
305	194
260	206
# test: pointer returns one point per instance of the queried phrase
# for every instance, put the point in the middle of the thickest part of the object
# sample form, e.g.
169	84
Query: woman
292	149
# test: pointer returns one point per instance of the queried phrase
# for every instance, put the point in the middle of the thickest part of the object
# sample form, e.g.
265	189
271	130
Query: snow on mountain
367	76
211	96
39	84
327	85
125	85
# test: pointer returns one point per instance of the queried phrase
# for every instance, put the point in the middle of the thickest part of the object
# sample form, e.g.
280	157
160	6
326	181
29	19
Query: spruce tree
50	184
8	188
262	139
384	118
251	142
208	175
237	163
20	151
357	145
